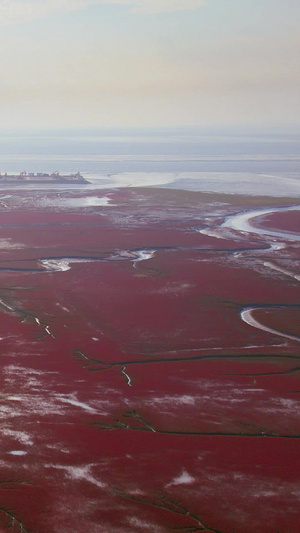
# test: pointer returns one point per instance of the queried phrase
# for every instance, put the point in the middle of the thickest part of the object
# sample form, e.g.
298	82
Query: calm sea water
197	161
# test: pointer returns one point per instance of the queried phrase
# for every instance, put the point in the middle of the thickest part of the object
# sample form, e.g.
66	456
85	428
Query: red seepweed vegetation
134	396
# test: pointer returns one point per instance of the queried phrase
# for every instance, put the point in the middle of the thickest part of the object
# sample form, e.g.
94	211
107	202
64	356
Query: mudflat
149	362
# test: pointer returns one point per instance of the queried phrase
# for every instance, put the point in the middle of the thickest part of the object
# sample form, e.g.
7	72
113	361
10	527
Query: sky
149	63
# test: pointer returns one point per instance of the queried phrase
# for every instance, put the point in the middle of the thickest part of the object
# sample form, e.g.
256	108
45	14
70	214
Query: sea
234	162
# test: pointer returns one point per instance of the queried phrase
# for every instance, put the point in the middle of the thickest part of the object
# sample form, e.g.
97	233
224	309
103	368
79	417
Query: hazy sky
148	62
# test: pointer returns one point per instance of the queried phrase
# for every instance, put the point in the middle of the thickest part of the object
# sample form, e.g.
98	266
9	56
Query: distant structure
42	177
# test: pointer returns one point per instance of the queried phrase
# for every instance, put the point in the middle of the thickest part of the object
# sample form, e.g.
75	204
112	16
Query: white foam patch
56	265
144	255
20	436
215	399
14	398
23	371
87	201
184	399
61	265
71	400
174	288
80	473
17	452
133	255
183	479
62	307
7	244
142	525
277	246
35	402
212	233
282	407
58	447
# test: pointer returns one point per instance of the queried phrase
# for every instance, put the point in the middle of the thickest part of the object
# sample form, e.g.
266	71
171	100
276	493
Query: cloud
18	11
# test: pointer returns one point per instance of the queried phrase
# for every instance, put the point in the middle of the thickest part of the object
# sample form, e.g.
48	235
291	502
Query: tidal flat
149	361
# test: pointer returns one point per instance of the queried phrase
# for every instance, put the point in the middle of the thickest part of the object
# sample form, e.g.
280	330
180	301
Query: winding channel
242	222
247	316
